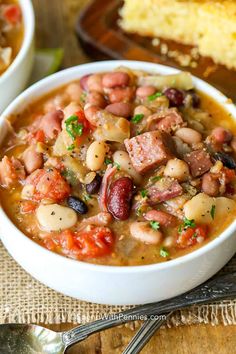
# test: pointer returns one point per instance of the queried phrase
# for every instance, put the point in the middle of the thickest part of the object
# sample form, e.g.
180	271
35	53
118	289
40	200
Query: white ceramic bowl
106	284
15	78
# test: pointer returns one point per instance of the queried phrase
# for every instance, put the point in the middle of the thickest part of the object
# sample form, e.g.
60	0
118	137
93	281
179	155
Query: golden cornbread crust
210	25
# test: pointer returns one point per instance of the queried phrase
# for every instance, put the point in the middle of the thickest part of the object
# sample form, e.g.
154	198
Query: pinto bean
188	135
115	79
222	135
51	123
162	217
91	114
94	83
121	109
84	82
32	159
125	94
144	233
178	169
145	91
210	185
142	110
119	198
74	91
96	99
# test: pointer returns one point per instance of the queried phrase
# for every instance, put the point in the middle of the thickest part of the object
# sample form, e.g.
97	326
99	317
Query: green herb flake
137	118
155	225
70	176
108	161
189	223
144	193
71	147
87	197
212	212
83	97
164	253
73	127
156	178
154	96
117	165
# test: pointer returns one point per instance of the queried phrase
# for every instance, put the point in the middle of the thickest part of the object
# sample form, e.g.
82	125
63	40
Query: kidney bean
195	98
77	205
84	82
96	99
115	79
121	109
125	94
175	97
222	135
93	187
94	83
32	159
210	185
144	91
162	217
119	199
90	113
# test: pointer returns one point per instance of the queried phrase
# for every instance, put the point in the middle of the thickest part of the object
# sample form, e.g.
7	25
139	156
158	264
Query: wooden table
55	21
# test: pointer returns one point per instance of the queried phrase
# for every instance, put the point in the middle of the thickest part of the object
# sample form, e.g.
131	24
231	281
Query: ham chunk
199	162
51	123
164	189
149	150
11	170
169	120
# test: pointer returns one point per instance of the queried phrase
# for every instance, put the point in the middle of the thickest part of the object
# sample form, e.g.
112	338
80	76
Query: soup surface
121	168
11	32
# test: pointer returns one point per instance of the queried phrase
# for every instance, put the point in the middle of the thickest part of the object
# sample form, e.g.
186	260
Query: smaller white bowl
15	78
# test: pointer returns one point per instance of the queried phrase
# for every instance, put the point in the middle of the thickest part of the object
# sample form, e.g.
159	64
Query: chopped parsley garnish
108	161
155	225
70	176
189	223
156	178
212	212
164	253
87	197
154	96
144	193
71	147
83	96
73	127
117	165
137	118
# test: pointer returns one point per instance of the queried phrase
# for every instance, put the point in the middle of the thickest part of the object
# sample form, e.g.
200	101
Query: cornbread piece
208	24
149	150
165	189
199	162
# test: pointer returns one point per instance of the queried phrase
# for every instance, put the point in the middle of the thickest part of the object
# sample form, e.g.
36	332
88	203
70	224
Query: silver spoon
33	339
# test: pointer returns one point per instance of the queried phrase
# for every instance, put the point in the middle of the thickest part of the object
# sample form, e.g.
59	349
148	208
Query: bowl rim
79	71
28	35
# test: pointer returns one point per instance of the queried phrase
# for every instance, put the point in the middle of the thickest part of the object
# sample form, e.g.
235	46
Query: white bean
189	136
122	158
178	169
55	217
224	206
199	208
74	91
96	155
143	232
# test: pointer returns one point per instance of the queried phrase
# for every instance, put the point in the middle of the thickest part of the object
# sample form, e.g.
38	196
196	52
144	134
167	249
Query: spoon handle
144	334
218	288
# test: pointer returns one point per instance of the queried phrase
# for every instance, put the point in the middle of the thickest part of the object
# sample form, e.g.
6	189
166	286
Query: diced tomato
48	184
229	174
84	121
191	235
12	14
40	136
67	240
28	207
